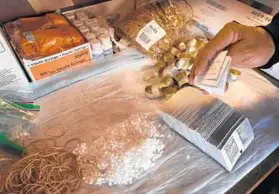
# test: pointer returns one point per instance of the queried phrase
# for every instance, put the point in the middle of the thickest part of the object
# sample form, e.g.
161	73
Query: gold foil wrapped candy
169	92
166	81
153	91
181	78
172	73
234	74
184	63
148	92
160	65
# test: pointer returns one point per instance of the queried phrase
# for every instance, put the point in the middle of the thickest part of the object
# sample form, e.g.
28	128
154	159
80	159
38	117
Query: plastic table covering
85	108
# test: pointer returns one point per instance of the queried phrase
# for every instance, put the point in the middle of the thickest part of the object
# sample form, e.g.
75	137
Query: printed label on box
61	64
150	34
11	73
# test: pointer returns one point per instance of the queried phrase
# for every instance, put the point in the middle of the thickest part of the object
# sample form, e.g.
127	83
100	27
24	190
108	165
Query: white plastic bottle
107	44
97	49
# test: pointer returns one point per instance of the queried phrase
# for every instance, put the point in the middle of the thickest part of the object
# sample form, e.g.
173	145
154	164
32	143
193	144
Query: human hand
249	47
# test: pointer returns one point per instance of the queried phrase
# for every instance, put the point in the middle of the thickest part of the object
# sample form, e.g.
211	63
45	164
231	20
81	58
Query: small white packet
214	81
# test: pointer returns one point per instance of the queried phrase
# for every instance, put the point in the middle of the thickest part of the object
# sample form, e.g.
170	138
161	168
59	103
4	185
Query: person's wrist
270	42
271	32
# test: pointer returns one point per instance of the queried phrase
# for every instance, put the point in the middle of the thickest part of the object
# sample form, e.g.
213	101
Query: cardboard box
210	124
105	8
48	66
11	72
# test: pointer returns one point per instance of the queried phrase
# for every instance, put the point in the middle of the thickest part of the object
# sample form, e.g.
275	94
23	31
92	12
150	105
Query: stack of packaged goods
95	30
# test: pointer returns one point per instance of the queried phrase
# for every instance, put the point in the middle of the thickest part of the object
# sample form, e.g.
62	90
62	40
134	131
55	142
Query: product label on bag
52	65
150	34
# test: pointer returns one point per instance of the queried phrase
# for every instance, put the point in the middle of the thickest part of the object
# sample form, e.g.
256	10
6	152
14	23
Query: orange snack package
50	20
49	42
38	37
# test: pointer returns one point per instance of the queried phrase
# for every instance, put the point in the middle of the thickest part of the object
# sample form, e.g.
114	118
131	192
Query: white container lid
90	12
95	20
79	13
77	23
103	31
82	17
70	16
105	39
90	22
95	28
83	29
89	36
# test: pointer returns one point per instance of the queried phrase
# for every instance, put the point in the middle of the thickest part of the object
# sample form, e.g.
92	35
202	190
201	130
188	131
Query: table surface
251	179
84	103
79	106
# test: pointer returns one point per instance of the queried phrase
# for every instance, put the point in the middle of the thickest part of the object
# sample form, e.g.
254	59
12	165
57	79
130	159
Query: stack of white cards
210	124
215	79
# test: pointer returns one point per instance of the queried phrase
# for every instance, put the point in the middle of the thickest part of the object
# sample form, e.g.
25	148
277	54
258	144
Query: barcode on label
231	149
217	5
150	34
145	38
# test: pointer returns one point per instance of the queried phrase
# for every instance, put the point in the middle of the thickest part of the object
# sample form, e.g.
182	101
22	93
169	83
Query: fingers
243	56
230	34
237	53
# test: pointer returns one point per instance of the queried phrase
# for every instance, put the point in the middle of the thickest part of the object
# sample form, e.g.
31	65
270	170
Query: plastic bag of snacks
38	37
155	27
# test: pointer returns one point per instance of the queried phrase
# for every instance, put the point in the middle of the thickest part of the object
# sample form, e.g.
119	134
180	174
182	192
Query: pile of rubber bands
46	169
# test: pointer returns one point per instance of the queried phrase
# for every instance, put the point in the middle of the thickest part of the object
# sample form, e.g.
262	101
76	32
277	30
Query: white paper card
216	82
150	34
220	89
214	70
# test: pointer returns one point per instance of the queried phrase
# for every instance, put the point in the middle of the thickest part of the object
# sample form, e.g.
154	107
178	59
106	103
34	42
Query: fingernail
205	92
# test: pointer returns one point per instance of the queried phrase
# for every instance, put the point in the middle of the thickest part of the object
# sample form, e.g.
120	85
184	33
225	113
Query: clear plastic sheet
85	109
130	60
23	93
